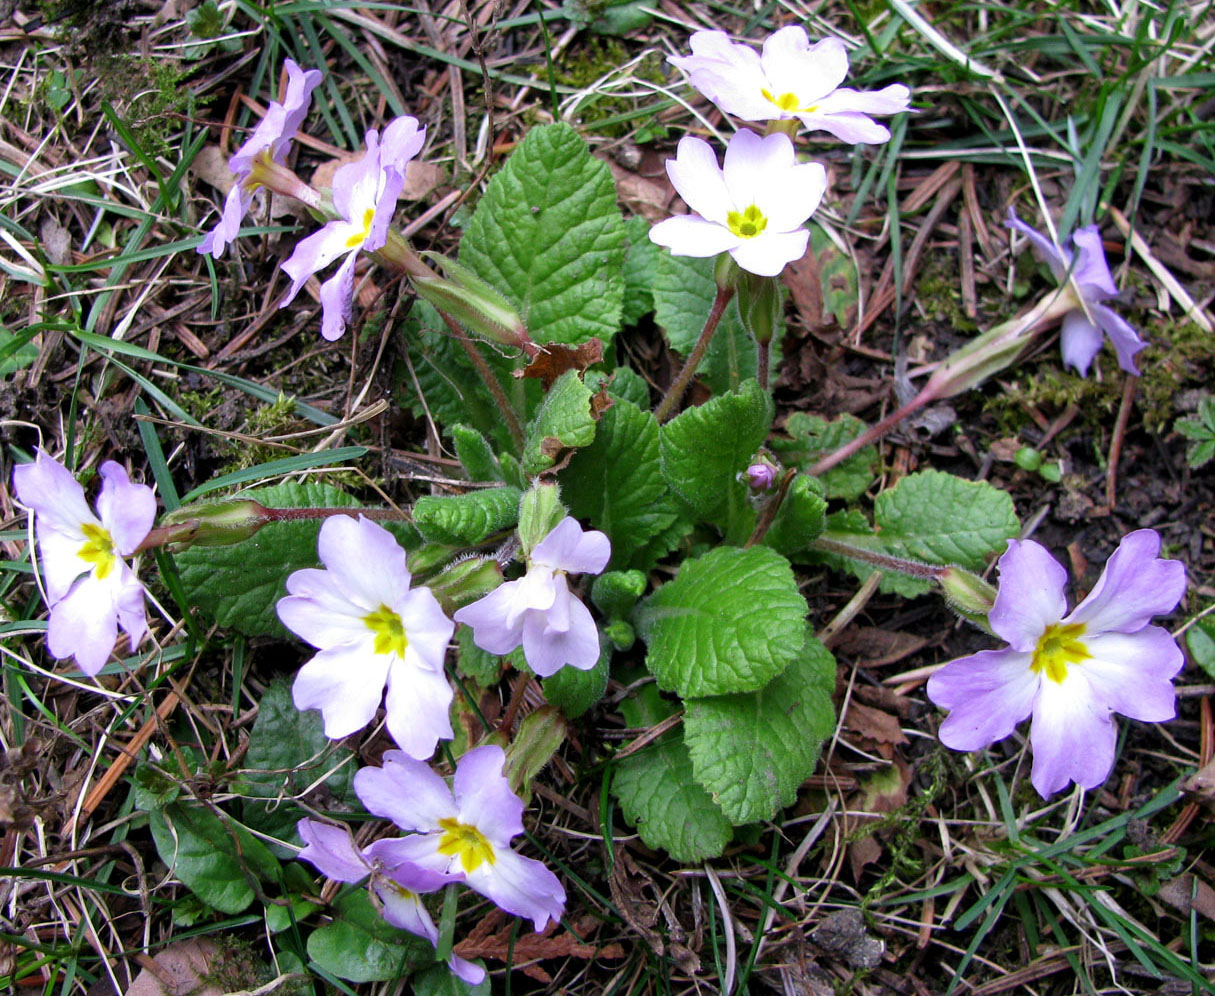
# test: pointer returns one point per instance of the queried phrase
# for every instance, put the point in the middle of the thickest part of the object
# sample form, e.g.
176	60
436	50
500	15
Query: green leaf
731	621
640	266
684	290
438	981
359	945
753	751
481	666
203	853
801	518
469	519
628	385
852	527
814	437
549	235
1200	638
616	592
288	751
564	421
837	277
475	454
574	691
658	794
19	354
617	482
704	449
1201	434
238	585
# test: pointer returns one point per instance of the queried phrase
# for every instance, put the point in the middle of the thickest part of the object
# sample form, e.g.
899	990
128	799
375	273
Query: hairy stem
913	568
680	384
490	381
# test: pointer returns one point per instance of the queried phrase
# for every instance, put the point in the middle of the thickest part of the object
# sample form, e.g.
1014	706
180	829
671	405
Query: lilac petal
321	616
1131	673
691	235
1125	339
466	970
316	252
767	255
236	206
1030	596
496	628
519	885
84	625
401	141
337	299
483	795
355	184
416	707
128	594
987	693
418	852
1134	586
427	629
848	126
568	548
54	494
364	559
1079	341
405	791
793	65
698	179
332	851
1092	273
1057	259
403	909
385	207
893	99
730	75
127	510
59	561
345	684
548	650
390	863
296	102
1072	736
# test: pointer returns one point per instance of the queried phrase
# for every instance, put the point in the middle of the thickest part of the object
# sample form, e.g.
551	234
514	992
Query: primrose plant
597	531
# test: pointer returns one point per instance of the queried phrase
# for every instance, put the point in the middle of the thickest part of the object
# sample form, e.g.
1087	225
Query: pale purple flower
792	79
90	589
271	140
463	833
364	196
1083	265
1069	671
753	208
396	884
760	476
371	628
538	612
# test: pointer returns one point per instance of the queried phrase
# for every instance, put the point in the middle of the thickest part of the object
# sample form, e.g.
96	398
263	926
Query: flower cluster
755	207
1070	671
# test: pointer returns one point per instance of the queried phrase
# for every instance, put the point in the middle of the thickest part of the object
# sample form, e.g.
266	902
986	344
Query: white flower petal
417	708
1072	736
345	684
766	255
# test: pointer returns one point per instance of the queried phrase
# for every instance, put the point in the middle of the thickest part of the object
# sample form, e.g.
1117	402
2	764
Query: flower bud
760	476
967	594
725	272
472	302
759	305
464	582
217	523
541	734
539	511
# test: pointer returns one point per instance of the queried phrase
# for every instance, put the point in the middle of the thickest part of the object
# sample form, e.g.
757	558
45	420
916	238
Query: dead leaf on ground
184	969
491	939
648	198
872	646
1188	892
420	177
873	724
211	166
1201	784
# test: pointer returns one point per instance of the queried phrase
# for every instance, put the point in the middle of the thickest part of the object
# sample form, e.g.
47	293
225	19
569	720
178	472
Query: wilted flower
371	628
269	143
364	196
1088	273
753	208
1071	672
538	611
90	589
792	79
462	833
396	884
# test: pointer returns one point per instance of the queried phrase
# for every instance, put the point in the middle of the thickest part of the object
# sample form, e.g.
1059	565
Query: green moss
148	96
582	68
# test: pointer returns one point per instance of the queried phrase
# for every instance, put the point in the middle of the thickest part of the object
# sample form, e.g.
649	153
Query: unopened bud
759	305
725	272
760	476
464	582
216	523
472	302
539	512
541	734
967	594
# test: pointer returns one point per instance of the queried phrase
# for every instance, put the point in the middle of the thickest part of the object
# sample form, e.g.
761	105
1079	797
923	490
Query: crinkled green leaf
1200	638
574	691
813	437
213	859
438	981
360	946
731	621
617	482
238	585
475	454
704	449
616	592
753	751
549	236
288	751
468	519
563	421
480	665
628	385
800	519
640	267
684	290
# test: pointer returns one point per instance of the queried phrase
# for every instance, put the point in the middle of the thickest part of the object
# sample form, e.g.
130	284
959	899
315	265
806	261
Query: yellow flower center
467	842
358	238
98	550
747	224
389	631
1058	647
787	102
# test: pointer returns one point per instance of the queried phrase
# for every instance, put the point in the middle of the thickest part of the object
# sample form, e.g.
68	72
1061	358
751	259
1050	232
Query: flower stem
873	433
912	568
680	384
763	354
487	376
